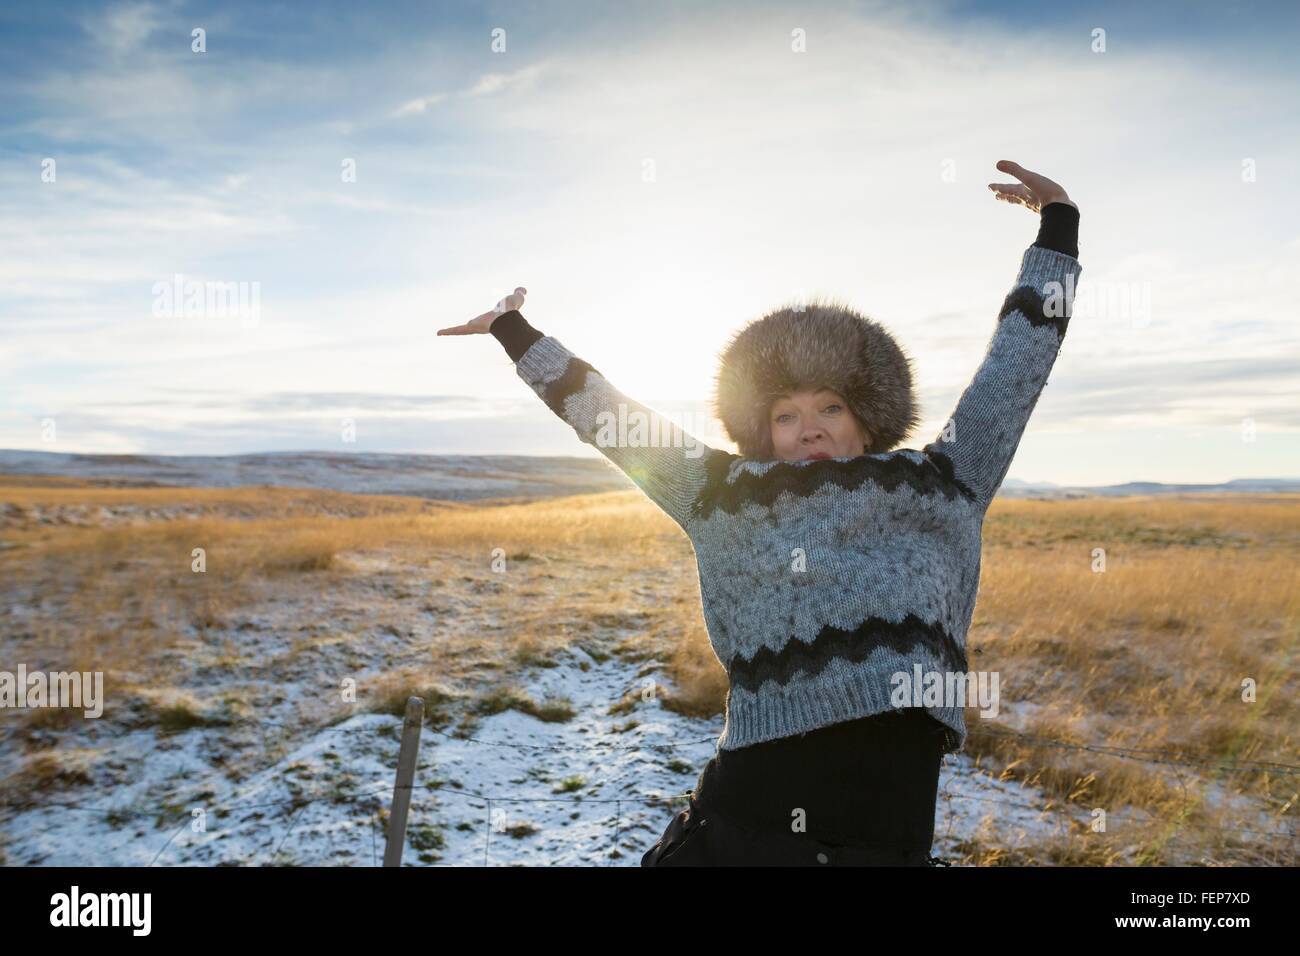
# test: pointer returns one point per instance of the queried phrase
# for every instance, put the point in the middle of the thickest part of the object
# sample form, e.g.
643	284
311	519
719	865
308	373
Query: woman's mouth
818	456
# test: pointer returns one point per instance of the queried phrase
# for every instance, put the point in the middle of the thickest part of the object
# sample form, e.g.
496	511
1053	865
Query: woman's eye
835	407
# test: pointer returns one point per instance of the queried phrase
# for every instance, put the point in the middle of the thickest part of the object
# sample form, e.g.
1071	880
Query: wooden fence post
405	778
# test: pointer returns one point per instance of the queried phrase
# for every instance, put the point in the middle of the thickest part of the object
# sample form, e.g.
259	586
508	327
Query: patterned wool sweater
821	580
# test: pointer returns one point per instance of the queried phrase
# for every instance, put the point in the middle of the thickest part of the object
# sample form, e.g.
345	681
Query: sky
657	176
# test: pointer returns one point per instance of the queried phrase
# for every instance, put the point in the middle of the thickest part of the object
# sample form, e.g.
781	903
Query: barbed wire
630	748
335	796
1286	831
1107	750
1136	753
301	801
210	724
175	834
1146	755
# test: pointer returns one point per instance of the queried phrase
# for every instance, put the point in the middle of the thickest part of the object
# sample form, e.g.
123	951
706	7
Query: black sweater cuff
1058	229
513	331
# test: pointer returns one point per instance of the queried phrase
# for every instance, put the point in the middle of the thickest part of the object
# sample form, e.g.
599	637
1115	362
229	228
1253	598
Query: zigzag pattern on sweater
802	479
573	380
1033	306
946	468
799	658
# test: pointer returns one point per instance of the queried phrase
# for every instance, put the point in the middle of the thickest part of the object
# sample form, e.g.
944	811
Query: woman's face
815	424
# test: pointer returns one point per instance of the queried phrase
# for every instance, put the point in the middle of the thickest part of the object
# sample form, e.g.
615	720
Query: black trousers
857	793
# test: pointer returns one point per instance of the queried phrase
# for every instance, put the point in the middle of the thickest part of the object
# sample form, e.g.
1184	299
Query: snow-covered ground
597	789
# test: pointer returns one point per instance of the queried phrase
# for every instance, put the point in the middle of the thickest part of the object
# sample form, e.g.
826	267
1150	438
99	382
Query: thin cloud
487	85
123	29
420	104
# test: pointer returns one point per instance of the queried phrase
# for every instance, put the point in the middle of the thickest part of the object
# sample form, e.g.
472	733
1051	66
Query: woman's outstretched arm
979	441
668	463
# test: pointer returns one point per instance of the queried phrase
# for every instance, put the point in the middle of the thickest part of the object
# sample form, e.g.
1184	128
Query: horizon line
411	454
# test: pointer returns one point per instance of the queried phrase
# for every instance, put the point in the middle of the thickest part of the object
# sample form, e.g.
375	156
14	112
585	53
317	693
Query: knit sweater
823	580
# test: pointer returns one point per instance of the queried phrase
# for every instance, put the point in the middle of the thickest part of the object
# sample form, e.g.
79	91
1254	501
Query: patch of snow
596	789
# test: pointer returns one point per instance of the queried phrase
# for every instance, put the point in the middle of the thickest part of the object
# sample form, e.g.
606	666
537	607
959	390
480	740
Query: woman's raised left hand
1033	191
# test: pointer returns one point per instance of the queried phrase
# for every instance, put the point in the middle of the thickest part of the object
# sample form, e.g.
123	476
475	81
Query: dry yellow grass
1148	650
1198	594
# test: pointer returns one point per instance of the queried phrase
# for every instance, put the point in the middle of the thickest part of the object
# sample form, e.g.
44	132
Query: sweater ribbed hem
796	710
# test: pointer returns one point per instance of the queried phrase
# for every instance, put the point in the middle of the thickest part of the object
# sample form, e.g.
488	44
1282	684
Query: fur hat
822	344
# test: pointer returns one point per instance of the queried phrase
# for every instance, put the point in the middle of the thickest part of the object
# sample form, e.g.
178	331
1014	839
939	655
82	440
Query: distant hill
461	477
447	477
1015	488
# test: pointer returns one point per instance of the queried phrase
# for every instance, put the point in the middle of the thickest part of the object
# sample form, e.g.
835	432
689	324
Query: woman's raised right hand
483	323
